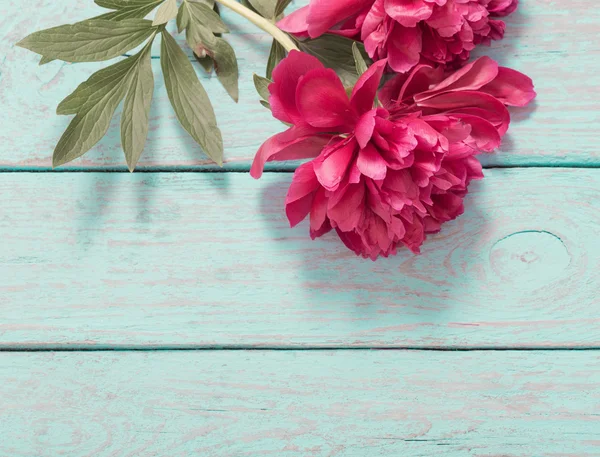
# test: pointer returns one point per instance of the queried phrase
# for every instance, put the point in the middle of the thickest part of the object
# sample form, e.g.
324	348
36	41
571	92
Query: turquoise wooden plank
558	130
208	260
297	404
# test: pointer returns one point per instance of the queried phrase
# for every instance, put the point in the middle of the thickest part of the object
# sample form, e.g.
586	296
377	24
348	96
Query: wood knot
529	259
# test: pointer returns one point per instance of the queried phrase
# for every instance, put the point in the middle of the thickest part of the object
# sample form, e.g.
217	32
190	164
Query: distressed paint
298	404
202	260
555	42
159	260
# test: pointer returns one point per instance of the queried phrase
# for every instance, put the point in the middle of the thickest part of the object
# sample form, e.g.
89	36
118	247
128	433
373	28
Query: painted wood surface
553	41
299	404
204	260
159	260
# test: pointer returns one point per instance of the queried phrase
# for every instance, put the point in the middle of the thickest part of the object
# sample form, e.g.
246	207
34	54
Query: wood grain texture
299	404
183	260
555	42
168	259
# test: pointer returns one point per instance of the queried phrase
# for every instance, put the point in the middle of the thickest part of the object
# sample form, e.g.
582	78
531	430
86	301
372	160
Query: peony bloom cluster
388	166
406	32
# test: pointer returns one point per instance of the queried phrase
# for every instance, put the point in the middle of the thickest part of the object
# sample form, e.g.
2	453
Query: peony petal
325	228
449	19
402	88
415	236
502	7
324	14
331	166
365	89
347	210
420	80
486	136
365	127
298	202
424	133
351	240
389	94
371	164
296	22
471	77
318	213
497	29
404	48
373	21
297	211
511	87
286	76
408	12
463	102
354	175
446	207
293	144
304	182
322	100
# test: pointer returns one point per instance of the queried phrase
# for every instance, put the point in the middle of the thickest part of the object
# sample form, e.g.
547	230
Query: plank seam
240	348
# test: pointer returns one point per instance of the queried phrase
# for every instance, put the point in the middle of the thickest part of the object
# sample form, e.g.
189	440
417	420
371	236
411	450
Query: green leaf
207	63
201	13
136	111
248	5
262	86
210	3
265	104
334	52
127	9
95	108
89	41
96	85
266	8
226	67
281	6
201	23
166	12
124	4
359	60
131	13
276	55
99	83
44	60
199	37
189	99
205	44
183	18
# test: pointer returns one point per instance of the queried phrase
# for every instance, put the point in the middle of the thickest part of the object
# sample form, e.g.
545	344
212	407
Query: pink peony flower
406	32
386	174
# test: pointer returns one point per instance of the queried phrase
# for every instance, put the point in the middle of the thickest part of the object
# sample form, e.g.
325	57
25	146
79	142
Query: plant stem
261	22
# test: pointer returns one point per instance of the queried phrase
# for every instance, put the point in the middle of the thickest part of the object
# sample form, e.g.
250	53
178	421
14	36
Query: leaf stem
261	22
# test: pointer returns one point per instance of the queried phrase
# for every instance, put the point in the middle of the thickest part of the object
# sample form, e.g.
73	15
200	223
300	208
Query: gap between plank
265	348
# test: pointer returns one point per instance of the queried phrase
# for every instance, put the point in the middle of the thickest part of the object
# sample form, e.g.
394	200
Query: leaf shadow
94	198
